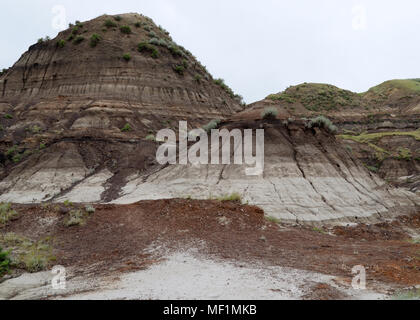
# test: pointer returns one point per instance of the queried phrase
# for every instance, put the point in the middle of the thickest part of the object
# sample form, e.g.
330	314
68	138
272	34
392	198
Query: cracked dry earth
191	249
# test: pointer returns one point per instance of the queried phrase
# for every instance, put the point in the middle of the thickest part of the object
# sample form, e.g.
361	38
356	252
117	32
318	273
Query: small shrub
75	218
126	128
61	43
404	154
179	69
137	24
42	146
67	203
221	83
90	209
75	30
70	38
146	47
175	50
273	219
152	34
197	78
16	158
127	57
94	40
35	129
270	114
110	24
147	28
8	116
125	29
214	124
7	213
151	137
5	262
78	39
233	197
118	18
10	152
322	122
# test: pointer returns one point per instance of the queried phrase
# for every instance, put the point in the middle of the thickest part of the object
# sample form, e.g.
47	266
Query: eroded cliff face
379	127
309	177
93	97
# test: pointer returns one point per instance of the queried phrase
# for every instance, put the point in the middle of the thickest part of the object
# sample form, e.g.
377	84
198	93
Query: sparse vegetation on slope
5	262
269	114
94	40
7	213
125	29
110	24
214	124
322	122
318	97
371	137
32	256
146	47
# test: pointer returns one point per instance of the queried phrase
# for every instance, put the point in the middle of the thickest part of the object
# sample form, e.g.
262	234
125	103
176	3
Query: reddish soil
116	236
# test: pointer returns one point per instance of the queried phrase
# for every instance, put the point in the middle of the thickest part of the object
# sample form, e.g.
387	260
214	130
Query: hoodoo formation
89	102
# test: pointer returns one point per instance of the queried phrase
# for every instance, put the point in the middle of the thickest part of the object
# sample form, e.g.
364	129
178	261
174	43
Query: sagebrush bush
7	213
269	114
78	39
94	40
4	262
152	34
126	128
151	137
146	47
75	218
127	57
125	29
118	18
90	209
110	24
179	69
61	43
214	124
232	197
221	83
322	122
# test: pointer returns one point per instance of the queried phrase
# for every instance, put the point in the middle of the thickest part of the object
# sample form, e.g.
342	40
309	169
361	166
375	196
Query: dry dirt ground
151	249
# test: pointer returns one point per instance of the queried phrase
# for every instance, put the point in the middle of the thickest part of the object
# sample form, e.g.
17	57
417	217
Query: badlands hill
379	127
80	113
90	100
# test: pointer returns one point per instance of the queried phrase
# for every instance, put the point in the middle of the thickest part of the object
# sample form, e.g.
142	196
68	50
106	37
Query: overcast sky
258	47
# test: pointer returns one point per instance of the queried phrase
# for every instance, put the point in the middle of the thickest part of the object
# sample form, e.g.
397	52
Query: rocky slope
80	113
88	103
379	127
